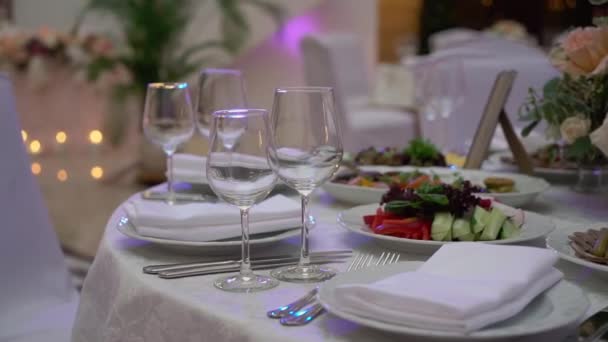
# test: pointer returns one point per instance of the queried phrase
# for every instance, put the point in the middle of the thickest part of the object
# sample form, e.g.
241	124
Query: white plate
535	226
227	246
551	174
559	242
528	188
554	312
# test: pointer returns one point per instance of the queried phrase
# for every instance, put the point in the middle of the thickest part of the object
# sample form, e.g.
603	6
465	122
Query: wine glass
219	89
305	151
442	89
239	174
168	121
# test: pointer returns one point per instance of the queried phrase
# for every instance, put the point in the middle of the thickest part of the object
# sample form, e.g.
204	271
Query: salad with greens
442	212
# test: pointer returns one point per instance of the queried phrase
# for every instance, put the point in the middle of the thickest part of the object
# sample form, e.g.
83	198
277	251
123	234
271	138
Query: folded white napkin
463	287
189	168
210	221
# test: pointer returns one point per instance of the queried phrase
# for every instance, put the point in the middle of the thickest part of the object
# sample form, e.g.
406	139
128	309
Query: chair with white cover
338	61
37	299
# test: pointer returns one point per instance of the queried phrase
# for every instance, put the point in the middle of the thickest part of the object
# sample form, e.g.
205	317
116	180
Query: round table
121	303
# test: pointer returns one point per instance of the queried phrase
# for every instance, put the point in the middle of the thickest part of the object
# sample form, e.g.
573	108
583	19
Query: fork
293	314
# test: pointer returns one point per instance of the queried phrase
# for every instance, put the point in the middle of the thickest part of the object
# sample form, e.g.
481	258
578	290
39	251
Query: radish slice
518	217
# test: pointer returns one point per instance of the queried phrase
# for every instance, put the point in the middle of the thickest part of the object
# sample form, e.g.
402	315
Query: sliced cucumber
480	219
509	229
441	228
497	218
467	237
460	227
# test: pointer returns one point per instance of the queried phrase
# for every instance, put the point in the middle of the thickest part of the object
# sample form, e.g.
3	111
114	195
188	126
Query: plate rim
543	184
126	227
427	333
570	258
344	224
495	158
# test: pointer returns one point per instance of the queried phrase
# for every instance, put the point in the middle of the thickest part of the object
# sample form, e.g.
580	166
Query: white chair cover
37	299
482	60
337	60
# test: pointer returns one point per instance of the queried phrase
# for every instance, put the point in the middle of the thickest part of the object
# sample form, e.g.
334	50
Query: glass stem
245	259
304	253
170	190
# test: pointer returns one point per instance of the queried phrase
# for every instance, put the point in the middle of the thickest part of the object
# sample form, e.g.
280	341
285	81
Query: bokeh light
24	135
62	175
35	146
36	168
97	172
95	137
61	137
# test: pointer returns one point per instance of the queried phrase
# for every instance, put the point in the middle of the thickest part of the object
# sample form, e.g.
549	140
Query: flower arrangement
574	105
34	52
19	47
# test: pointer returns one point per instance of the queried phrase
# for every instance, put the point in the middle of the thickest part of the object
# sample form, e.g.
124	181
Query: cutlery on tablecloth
296	313
155	269
198	271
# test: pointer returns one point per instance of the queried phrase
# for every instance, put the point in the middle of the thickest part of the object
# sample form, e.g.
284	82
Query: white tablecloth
120	303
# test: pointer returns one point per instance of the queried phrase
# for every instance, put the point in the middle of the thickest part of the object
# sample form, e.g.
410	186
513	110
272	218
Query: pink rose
578	38
583	52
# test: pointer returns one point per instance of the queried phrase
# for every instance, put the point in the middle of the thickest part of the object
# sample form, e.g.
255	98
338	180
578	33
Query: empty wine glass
305	151
168	121
442	89
219	89
239	174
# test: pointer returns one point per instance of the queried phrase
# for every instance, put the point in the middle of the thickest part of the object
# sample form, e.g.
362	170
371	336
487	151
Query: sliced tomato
368	219
405	226
426	230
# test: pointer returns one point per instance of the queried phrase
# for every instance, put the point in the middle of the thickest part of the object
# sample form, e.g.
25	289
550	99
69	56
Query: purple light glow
295	29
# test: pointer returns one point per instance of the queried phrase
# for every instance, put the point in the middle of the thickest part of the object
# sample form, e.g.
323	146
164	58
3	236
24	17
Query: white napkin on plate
189	168
210	221
463	287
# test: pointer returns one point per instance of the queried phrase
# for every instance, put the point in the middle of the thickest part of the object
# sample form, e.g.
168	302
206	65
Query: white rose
574	127
599	137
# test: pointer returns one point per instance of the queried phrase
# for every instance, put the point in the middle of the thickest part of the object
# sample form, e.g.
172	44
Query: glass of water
305	152
239	174
218	89
168	121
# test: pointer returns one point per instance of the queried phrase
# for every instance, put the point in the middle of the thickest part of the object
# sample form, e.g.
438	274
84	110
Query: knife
315	256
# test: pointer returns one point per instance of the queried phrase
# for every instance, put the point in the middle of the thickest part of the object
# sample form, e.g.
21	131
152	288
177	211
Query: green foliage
152	32
420	150
153	29
564	97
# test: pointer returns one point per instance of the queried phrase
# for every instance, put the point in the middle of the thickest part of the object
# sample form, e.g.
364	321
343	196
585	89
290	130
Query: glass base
303	274
249	283
591	180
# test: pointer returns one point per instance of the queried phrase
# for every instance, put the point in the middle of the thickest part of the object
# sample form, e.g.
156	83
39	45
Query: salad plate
527	188
549	317
534	226
226	246
497	162
560	243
